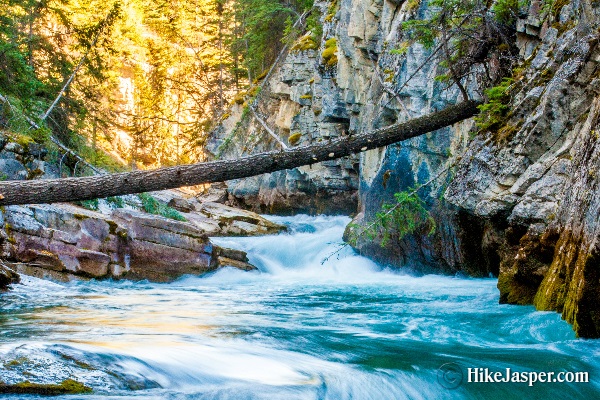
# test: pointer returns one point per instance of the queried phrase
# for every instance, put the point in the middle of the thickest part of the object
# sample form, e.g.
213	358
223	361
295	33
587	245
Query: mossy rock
40	135
332	10
514	292
305	43
24	141
68	386
332	62
240	98
294	138
329	54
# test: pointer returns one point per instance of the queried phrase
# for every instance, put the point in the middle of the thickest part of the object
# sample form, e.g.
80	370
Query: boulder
62	241
226	257
181	204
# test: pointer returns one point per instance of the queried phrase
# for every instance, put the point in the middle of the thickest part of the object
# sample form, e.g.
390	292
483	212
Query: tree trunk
85	188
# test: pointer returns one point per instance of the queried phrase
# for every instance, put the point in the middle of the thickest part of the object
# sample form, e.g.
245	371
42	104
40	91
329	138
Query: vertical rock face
521	203
302	103
572	282
388	88
538	185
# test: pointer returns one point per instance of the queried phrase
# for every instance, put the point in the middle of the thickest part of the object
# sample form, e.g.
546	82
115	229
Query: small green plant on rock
117	201
295	138
92	205
306	42
332	10
494	111
408	215
153	206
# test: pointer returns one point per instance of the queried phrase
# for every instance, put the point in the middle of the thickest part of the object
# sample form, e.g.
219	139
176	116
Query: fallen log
85	188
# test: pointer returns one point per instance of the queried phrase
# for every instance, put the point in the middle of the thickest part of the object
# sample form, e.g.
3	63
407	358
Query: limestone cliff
520	203
536	188
302	103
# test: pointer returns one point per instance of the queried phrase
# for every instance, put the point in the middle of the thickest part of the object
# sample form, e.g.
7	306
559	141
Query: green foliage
332	10
306	42
466	34
553	7
494	110
406	216
265	23
40	135
314	26
309	37
229	139
89	204
117	201
402	49
412	5
507	11
153	206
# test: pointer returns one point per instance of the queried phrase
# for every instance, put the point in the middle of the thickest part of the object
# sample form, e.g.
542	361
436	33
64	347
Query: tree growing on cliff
471	40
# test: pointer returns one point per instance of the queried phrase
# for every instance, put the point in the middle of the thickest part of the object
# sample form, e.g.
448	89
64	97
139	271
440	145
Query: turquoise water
297	329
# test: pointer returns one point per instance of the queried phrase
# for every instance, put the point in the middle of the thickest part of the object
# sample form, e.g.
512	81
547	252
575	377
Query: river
298	329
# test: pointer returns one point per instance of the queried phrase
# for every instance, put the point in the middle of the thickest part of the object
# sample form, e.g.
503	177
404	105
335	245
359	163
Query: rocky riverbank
64	241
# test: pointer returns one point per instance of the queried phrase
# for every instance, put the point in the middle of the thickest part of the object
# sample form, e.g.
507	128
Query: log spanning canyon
99	186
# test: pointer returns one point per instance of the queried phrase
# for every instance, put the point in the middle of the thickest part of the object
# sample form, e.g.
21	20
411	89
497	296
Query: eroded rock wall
538	183
521	202
300	99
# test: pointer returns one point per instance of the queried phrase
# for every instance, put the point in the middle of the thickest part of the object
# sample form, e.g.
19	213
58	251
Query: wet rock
68	386
228	262
7	277
231	253
132	244
161	249
93	263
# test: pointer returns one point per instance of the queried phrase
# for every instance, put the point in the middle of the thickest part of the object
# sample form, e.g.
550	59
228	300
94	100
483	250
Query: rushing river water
298	329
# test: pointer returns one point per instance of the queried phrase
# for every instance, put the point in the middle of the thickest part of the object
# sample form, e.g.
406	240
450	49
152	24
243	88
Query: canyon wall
521	202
